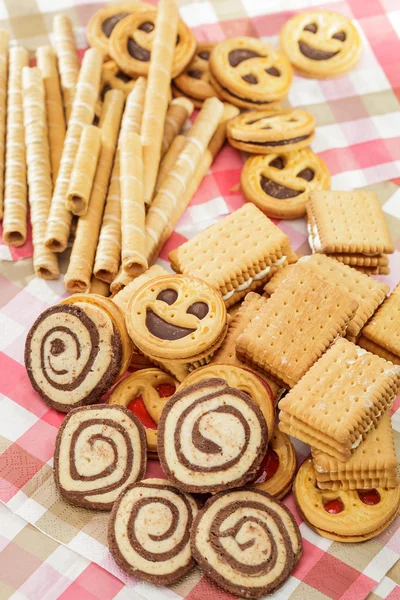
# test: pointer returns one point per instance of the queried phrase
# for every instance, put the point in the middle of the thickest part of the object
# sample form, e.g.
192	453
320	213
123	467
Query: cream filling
361	437
313	238
246	284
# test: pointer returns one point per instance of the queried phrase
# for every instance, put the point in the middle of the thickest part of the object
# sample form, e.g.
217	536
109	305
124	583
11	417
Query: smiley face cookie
194	82
249	73
270	132
112	78
321	43
277	470
279	184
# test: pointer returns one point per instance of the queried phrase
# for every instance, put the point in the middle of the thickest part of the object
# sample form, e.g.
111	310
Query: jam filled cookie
321	43
278	468
132	39
270	132
246	542
249	73
194	82
279	184
344	516
99	451
149	531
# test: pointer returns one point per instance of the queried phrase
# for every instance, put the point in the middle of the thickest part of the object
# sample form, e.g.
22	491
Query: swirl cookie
279	184
211	437
145	394
249	73
270	132
277	470
149	531
132	39
246	542
99	451
344	516
321	43
177	321
194	81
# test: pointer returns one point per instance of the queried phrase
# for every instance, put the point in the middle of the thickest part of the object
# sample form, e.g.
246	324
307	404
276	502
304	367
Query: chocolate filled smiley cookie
279	184
194	83
321	43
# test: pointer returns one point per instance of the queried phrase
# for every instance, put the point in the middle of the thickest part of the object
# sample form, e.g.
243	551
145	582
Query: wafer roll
132	205
4	37
78	276
178	112
120	281
82	176
108	255
45	262
157	92
169	160
99	287
82	113
168	205
15	188
47	62
68	63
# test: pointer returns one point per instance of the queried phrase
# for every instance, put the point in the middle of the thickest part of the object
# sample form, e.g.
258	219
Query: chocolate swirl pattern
247	542
149	531
211	437
100	450
73	354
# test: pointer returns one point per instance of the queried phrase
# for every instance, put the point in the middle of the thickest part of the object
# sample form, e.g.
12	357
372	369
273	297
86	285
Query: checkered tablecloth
358	136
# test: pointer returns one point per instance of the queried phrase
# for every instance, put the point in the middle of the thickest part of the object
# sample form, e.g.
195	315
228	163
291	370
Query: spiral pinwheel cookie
194	81
145	394
279	184
344	516
270	132
177	321
249	73
149	531
277	470
99	451
246	542
321	43
211	437
132	39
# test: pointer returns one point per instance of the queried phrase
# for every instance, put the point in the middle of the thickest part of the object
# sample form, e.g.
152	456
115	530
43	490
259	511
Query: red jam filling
138	408
369	497
268	467
165	390
334	507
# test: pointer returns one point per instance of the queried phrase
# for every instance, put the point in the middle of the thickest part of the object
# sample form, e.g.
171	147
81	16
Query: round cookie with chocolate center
249	73
112	78
211	437
277	470
194	81
246	542
344	516
132	39
321	43
279	184
149	531
270	132
99	451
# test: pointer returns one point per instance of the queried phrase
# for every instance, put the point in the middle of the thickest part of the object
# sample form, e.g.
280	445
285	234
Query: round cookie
149	531
132	38
321	43
99	451
249	73
270	132
73	355
247	542
344	516
194	81
112	78
145	394
278	468
279	184
211	437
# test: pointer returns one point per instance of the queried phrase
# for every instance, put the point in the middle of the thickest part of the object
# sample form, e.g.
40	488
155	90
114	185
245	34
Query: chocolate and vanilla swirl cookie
246	542
99	451
211	437
149	531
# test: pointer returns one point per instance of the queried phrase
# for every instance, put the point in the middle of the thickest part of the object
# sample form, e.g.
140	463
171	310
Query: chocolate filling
278	142
340	35
235	57
148	26
198	309
195	73
138	52
247	99
123	76
276	190
277	163
168	296
109	24
273	71
164	330
307	174
314	53
311	27
204	54
106	88
250	78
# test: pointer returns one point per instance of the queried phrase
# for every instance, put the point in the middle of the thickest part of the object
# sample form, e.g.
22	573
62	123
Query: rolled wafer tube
4	37
168	202
108	255
178	112
132	205
120	281
83	172
64	43
45	262
157	93
169	159
47	62
15	187
87	91
99	287
79	273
